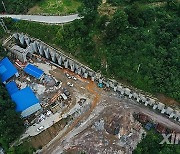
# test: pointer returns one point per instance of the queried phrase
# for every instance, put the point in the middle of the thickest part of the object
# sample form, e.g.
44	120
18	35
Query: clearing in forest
55	7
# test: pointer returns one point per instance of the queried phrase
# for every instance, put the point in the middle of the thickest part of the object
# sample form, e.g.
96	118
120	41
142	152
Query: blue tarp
7	69
33	71
24	99
11	88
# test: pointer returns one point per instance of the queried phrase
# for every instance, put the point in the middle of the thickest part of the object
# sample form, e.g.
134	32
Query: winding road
44	19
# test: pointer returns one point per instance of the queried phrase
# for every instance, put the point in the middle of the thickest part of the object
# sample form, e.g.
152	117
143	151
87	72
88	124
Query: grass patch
55	7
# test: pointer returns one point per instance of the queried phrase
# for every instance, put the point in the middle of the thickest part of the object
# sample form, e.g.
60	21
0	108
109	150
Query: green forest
150	144
138	44
16	6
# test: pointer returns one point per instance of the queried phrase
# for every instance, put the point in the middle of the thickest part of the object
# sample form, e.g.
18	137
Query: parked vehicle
40	128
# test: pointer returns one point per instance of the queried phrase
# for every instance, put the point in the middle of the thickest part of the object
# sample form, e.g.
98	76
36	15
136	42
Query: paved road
44	19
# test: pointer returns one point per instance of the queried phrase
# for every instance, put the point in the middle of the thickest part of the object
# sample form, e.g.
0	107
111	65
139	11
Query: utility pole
3	25
4	6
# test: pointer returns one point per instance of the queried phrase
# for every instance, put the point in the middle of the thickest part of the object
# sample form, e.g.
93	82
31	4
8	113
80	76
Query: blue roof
11	87
24	99
33	71
7	69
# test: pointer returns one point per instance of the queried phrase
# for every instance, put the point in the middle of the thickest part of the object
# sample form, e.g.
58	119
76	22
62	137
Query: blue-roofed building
33	71
7	70
26	101
11	87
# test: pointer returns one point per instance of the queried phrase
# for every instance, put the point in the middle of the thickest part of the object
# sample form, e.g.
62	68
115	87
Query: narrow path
90	87
44	19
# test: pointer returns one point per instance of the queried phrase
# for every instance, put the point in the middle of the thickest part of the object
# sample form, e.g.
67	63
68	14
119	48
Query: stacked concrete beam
155	106
120	89
177	116
172	114
127	91
111	84
60	60
135	96
150	102
160	106
169	110
106	83
142	98
66	63
85	75
100	80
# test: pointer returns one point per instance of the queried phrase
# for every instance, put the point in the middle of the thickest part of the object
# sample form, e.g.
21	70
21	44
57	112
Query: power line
4	6
3	25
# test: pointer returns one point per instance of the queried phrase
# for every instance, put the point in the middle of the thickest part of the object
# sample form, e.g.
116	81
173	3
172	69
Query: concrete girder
100	80
60	61
41	50
79	71
92	78
90	74
146	103
53	56
111	84
83	69
16	36
172	115
142	98
115	88
135	95
169	110
27	40
63	59
119	88
151	101
163	111
22	40
155	106
76	66
160	106
66	63
35	48
177	115
85	75
127	91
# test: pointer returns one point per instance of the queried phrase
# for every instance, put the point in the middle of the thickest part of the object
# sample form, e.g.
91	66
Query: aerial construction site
68	107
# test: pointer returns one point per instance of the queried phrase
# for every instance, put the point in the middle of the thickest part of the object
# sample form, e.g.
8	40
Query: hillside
138	44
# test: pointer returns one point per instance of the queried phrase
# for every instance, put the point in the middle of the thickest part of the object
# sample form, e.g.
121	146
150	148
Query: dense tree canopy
150	144
17	6
11	125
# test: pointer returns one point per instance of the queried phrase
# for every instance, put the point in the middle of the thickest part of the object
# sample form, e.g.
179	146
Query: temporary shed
26	101
11	87
33	71
7	70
